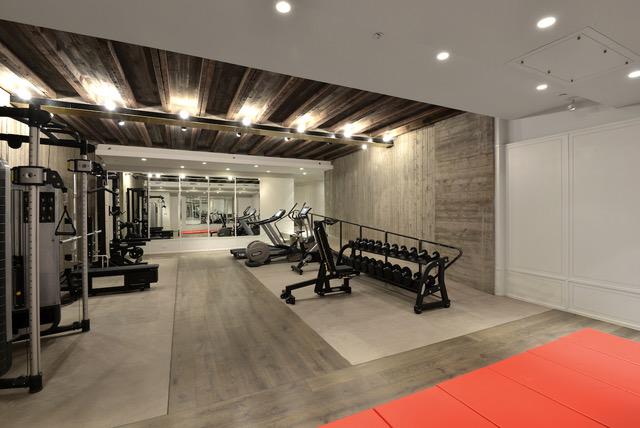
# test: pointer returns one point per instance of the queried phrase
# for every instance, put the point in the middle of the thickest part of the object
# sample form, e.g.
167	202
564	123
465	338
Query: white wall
573	221
277	193
312	193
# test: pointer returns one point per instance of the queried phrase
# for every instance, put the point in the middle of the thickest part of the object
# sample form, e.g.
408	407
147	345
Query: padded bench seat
136	277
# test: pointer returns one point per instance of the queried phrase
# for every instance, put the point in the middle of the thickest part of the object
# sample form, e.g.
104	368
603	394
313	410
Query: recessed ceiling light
238	134
546	22
183	114
304	173
228	169
204	163
110	105
143	159
268	171
182	166
283	7
246	121
542	87
286	138
365	147
301	169
572	106
634	74
255	166
121	123
387	137
183	129
443	56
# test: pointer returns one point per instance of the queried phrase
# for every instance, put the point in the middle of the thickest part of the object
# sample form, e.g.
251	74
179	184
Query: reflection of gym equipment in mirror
190	206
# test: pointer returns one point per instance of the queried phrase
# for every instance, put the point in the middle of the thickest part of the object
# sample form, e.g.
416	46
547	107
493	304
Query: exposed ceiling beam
19	68
159	61
260	145
308	105
297	147
114	130
287	90
59	59
203	93
240	96
340	153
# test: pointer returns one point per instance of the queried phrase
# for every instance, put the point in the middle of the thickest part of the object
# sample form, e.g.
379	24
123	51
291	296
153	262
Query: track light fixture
572	106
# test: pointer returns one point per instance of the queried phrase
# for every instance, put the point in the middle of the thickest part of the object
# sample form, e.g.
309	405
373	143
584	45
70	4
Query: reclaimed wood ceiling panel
71	66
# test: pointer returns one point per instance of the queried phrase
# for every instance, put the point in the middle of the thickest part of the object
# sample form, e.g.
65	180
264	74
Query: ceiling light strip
161	118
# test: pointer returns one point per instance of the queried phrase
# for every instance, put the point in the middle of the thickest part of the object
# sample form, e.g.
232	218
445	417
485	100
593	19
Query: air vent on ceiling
577	57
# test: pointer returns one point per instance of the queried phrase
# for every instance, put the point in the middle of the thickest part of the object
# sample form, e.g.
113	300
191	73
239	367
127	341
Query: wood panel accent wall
436	183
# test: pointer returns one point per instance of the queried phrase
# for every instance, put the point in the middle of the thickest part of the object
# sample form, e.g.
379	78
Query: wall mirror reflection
165	206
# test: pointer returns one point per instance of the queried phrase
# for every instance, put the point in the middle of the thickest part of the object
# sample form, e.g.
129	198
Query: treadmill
271	229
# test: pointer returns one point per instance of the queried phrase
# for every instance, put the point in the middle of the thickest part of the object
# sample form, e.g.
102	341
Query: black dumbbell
379	269
357	262
397	274
407	276
413	253
386	248
387	271
372	267
364	264
393	251
415	284
423	255
403	252
377	247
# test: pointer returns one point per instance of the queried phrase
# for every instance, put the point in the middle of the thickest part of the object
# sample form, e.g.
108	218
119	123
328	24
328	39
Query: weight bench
136	278
329	269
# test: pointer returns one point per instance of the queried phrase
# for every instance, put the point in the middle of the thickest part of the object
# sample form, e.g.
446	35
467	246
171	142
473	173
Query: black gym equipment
259	253
308	246
329	269
427	281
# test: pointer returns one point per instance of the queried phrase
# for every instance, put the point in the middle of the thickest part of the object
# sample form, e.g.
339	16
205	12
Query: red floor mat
586	379
368	418
430	408
600	401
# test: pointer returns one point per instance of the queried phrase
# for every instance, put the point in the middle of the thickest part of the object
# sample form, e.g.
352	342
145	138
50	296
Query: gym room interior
364	213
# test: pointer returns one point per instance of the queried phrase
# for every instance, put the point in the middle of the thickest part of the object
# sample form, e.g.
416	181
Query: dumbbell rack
429	280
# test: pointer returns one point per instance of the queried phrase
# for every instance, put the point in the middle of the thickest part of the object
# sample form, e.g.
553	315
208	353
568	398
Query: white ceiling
331	40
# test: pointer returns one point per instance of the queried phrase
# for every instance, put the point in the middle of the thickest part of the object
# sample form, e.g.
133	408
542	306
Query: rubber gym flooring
238	357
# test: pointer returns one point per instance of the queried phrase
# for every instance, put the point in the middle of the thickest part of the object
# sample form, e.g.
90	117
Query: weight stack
5	269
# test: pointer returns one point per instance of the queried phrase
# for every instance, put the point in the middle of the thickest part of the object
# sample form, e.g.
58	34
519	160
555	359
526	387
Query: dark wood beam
260	145
240	96
297	147
79	125
203	91
340	153
420	112
59	59
115	131
19	68
309	104
159	61
287	90
321	150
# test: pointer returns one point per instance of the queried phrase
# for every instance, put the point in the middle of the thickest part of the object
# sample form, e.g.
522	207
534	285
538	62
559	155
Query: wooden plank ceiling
71	66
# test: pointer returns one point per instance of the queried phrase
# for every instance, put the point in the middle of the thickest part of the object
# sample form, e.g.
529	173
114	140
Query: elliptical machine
308	245
259	253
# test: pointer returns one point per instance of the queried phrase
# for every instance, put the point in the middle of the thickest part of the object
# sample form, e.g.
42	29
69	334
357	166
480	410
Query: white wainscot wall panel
605	303
535	206
538	289
605	205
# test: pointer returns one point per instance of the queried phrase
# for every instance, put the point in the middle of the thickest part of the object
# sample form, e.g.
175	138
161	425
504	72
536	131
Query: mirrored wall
191	206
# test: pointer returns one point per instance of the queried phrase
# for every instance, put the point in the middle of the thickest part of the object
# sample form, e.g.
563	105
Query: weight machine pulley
33	177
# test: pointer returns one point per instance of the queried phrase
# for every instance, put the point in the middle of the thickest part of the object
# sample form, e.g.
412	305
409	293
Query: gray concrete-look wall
436	183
